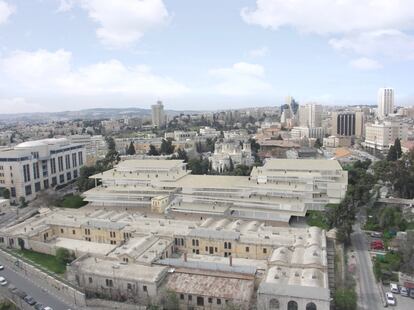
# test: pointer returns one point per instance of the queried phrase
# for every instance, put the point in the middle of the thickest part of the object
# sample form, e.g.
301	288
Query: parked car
394	288
39	306
404	291
377	245
47	308
30	300
412	292
20	293
376	235
390	299
3	281
1	267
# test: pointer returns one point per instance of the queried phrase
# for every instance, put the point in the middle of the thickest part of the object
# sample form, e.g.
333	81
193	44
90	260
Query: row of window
110	283
37	185
200	300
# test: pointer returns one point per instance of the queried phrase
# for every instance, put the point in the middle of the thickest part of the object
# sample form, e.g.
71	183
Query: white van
394	288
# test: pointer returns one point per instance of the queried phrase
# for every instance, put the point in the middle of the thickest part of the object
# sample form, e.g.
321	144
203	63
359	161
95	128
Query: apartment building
231	152
277	192
30	167
380	136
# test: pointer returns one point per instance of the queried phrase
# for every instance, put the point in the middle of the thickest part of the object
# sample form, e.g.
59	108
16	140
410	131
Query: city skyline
73	55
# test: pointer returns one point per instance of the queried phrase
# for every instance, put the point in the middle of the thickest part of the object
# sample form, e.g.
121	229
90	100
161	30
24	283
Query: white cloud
367	27
124	22
19	105
365	64
44	72
241	79
331	16
390	43
259	52
6	10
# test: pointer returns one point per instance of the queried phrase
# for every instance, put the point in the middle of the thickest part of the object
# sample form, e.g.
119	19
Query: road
19	280
368	295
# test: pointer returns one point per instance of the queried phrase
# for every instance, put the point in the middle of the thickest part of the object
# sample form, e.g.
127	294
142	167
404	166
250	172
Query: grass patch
45	260
72	202
317	218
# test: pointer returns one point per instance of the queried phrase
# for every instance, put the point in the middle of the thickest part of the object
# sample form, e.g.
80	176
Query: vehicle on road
39	306
1	267
404	291
30	300
390	299
394	288
47	308
3	281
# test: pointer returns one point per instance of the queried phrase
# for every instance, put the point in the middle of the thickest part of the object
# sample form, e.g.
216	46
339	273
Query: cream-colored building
32	166
380	136
158	116
277	192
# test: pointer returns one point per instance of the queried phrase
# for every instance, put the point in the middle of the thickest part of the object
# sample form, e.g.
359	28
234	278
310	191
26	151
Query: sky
58	55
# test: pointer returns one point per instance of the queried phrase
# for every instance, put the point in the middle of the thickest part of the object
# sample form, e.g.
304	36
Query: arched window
311	306
274	304
292	305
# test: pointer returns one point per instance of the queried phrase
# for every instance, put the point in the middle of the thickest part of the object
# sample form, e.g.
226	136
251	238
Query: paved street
30	287
368	295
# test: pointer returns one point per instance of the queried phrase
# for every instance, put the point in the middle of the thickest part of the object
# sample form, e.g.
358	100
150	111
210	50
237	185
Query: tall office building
310	115
158	116
385	102
348	123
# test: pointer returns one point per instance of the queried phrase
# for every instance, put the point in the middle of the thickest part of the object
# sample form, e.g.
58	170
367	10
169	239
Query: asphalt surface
368	295
30	287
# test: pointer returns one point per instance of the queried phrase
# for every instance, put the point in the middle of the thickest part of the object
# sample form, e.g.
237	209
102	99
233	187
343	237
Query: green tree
181	154
166	147
6	193
397	146
131	149
153	151
170	301
318	143
64	256
231	165
392	154
23	202
345	299
84	182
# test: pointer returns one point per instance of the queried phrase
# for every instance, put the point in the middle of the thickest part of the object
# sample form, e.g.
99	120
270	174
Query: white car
390	299
1	267
3	281
47	308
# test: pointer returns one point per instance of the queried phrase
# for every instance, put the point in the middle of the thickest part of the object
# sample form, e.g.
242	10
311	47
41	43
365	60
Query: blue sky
73	54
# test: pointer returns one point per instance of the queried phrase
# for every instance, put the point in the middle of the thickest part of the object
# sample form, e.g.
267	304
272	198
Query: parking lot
403	303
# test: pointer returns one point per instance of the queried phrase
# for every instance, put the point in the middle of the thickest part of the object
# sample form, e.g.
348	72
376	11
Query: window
225	245
88	239
80	157
200	301
75	174
62	178
247	249
54	181
36	173
13	192
60	163
182	296
26	173
69	176
28	190
53	165
37	187
129	286
264	251
144	288
274	304
46	184
109	283
112	234
73	232
311	306
74	160
206	248
90	280
218	301
190	297
210	300
197	244
61	230
1	240
113	242
229	245
292	305
67	161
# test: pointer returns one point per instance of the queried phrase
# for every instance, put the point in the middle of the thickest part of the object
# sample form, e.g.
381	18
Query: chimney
185	256
231	260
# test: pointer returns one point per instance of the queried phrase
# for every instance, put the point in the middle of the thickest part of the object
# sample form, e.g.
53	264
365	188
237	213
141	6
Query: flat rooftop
302	164
148	164
83	246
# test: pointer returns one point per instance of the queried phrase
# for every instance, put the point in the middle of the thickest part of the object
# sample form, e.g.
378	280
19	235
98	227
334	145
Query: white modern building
158	116
310	115
298	133
32	166
380	136
385	102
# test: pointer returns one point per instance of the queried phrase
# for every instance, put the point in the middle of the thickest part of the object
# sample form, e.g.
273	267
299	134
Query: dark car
39	306
20	293
412	292
30	300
